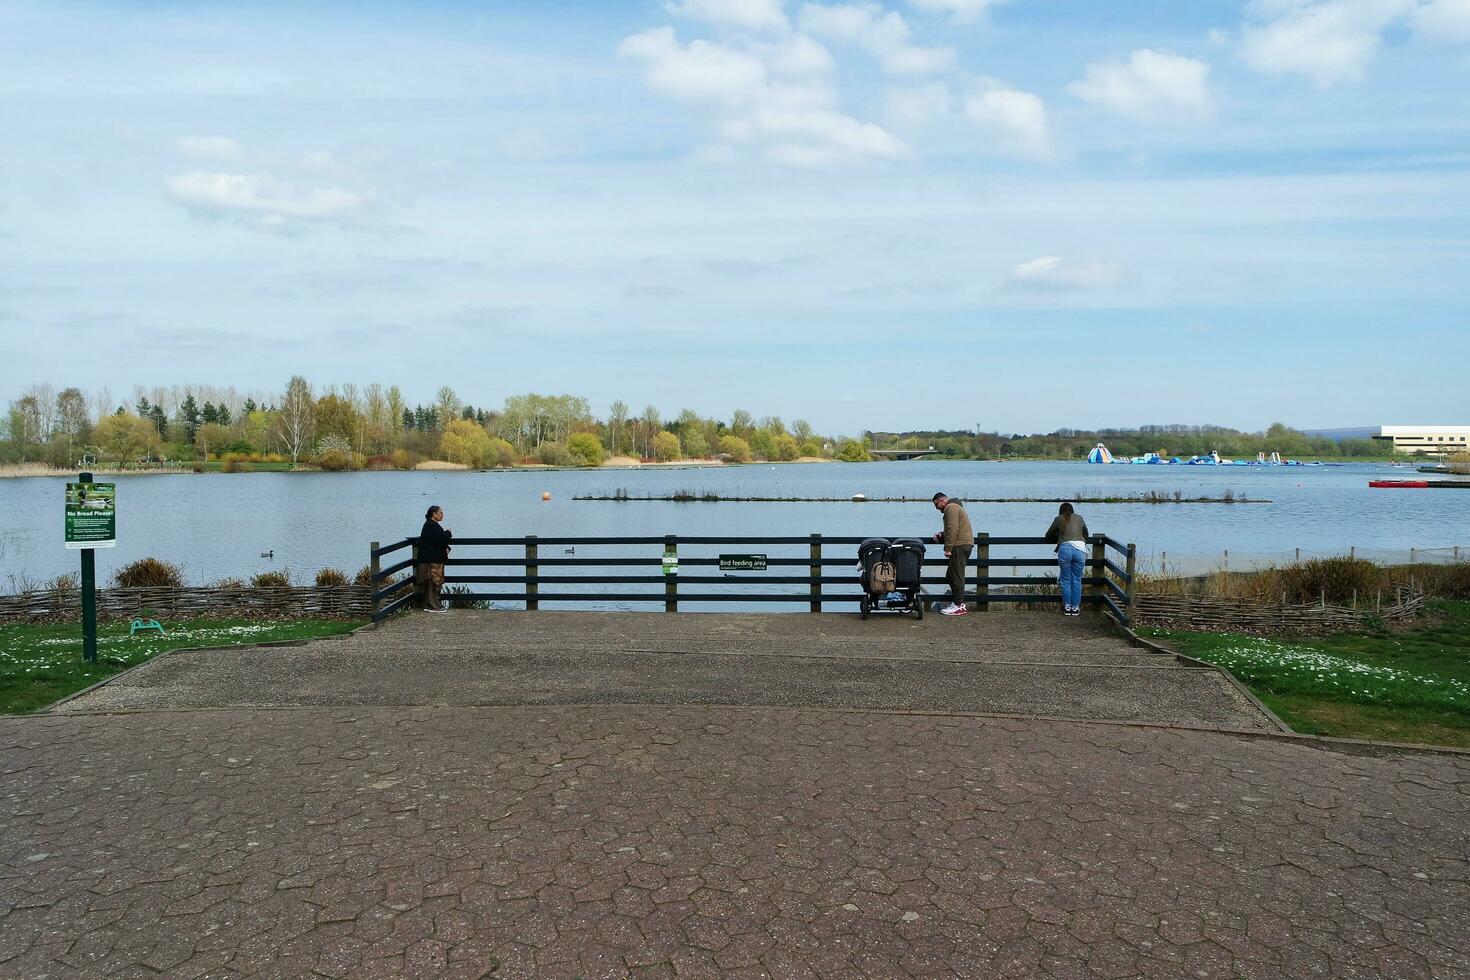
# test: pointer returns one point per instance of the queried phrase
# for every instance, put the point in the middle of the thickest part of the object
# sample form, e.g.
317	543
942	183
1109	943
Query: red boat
1400	484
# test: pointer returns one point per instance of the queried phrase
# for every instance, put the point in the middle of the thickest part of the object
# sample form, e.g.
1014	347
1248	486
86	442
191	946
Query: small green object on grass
141	625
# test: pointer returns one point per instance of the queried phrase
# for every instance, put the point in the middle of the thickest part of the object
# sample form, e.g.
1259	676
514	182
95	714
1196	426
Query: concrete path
1003	663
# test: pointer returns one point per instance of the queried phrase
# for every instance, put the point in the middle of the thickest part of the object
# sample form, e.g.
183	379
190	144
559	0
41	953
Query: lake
218	525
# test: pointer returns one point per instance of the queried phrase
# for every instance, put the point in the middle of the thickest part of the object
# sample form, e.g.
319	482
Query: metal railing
516	570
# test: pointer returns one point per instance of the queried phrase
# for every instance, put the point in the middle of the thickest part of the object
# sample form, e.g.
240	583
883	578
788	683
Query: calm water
218	525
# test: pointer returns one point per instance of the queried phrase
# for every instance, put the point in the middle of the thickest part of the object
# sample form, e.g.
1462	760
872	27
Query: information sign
742	563
91	515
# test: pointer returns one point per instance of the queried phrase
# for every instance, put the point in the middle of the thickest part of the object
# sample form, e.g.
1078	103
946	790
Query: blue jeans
1070	563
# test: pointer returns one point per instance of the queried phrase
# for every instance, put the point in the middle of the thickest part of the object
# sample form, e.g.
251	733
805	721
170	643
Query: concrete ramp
1031	664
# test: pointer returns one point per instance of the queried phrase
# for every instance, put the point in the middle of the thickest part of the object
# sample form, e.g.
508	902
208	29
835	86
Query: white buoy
545	494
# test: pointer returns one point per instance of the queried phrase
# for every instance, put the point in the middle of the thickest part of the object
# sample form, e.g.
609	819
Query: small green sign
91	515
671	563
742	563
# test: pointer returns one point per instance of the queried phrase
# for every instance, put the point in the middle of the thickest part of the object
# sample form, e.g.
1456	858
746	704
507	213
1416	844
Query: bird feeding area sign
91	515
742	563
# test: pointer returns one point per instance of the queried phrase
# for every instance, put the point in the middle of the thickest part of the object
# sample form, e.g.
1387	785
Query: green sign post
91	523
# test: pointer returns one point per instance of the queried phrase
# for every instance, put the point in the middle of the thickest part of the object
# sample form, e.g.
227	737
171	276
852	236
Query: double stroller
890	573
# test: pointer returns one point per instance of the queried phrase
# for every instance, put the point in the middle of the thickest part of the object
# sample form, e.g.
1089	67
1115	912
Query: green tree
736	448
787	448
585	448
696	446
665	446
127	437
763	444
466	443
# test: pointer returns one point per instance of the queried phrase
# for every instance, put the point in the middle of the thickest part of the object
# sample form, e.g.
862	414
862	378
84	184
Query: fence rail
1108	584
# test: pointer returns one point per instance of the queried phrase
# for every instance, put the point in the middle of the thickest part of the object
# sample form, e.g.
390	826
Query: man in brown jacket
958	538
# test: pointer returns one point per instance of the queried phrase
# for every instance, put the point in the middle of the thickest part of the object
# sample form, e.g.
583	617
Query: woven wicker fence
325	602
1248	616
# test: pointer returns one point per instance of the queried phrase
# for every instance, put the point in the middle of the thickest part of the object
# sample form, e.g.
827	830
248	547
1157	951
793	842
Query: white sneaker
953	609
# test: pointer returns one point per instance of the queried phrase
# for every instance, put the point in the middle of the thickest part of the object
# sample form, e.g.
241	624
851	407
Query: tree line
374	427
1166	440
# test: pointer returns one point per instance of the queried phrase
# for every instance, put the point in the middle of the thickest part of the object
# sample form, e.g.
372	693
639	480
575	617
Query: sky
1011	214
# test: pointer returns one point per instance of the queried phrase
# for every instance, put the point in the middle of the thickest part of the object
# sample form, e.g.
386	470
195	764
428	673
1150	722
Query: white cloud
1150	85
527	144
700	72
963	11
1016	120
210	147
1052	273
260	198
885	36
917	106
751	15
798	55
765	98
1330	41
1444	20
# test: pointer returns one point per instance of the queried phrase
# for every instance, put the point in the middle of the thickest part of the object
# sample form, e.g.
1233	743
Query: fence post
982	572
373	566
416	589
532	571
671	581
1132	569
816	572
1099	555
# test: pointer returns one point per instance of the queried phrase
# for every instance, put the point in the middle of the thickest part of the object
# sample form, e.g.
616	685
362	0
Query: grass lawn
41	664
1411	686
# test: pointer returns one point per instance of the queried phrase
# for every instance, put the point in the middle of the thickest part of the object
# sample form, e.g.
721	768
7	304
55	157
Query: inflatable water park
1100	454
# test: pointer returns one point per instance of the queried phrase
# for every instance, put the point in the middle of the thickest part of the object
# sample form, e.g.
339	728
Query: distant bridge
903	454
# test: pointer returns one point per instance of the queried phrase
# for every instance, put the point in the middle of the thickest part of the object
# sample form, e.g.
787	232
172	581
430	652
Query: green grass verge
42	664
1411	686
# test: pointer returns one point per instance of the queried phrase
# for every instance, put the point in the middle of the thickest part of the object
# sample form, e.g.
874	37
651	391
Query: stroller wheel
863	602
919	607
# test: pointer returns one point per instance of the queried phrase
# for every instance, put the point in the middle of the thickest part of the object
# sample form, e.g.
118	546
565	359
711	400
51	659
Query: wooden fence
1252	616
814	571
319	602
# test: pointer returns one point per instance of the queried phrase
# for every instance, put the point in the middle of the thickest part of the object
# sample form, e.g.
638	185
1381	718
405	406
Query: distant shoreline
14	471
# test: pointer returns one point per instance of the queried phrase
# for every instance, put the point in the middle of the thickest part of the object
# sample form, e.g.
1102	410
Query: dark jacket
433	544
1070	528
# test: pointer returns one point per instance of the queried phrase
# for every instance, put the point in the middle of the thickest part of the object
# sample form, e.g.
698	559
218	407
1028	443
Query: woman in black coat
433	553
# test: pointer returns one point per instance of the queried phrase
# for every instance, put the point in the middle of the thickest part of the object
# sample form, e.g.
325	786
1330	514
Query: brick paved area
716	841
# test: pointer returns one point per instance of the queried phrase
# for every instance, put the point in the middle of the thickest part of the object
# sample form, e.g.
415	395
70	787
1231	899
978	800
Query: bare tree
617	418
298	409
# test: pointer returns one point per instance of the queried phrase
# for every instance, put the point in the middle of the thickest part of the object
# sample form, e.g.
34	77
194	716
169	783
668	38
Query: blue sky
919	213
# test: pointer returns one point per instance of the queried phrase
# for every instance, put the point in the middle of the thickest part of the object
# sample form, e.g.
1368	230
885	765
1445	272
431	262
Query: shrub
229	585
148	573
364	576
736	448
585	448
666	447
378	463
1339	579
403	459
811	448
455	595
329	577
554	454
64	585
337	461
502	453
270	580
235	463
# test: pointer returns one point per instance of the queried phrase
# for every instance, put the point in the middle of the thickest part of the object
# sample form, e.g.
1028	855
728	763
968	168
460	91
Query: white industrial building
1437	440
